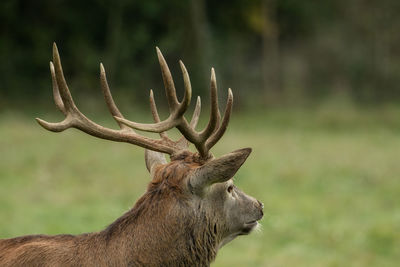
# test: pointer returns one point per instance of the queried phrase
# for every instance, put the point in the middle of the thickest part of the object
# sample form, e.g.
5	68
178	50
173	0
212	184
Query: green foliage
328	179
313	49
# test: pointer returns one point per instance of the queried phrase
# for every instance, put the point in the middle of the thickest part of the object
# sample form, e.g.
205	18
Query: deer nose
261	205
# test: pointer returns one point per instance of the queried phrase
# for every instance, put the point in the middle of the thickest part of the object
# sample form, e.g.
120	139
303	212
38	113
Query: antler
203	140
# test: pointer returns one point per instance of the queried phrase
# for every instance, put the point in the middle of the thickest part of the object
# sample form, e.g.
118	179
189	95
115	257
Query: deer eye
229	189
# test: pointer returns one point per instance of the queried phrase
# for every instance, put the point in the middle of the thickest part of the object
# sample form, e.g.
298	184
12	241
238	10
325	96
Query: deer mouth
254	222
248	227
251	224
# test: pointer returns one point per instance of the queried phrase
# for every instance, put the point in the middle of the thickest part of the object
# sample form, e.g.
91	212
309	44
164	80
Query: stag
191	207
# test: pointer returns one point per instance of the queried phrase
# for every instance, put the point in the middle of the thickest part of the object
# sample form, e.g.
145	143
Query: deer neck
169	234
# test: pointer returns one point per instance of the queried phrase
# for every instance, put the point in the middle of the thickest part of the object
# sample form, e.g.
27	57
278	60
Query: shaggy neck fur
164	228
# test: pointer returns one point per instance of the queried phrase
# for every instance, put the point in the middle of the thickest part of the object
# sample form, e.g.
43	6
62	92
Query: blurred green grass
329	179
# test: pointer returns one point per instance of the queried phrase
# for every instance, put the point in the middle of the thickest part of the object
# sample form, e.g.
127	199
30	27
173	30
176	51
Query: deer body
147	235
190	209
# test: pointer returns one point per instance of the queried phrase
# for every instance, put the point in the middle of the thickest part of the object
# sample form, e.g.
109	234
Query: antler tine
168	82
57	126
62	96
196	114
221	130
56	93
187	95
109	99
61	83
154	112
214	118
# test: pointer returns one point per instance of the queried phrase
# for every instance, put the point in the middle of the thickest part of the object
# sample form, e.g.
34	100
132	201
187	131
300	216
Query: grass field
329	179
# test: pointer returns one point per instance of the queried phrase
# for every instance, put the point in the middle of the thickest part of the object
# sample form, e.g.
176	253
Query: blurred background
270	52
316	93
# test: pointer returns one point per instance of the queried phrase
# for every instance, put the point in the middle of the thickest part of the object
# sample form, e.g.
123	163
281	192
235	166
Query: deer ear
218	170
153	159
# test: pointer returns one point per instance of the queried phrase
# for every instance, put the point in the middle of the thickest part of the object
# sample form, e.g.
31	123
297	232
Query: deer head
192	195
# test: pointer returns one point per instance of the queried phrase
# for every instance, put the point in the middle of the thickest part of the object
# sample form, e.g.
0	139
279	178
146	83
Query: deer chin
228	239
245	230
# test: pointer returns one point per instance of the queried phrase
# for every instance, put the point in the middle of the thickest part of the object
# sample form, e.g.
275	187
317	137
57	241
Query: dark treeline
267	50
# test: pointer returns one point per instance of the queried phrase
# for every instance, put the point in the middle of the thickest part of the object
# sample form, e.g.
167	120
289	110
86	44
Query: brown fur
164	228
